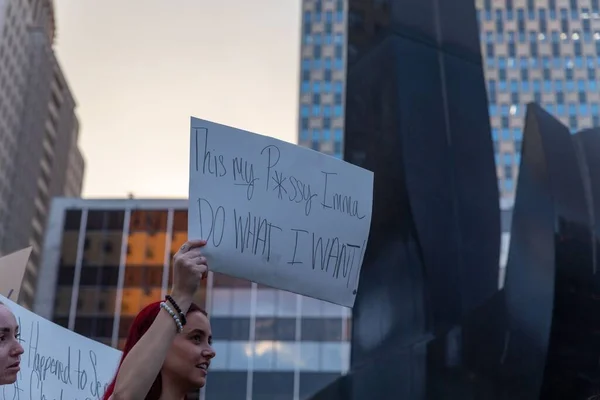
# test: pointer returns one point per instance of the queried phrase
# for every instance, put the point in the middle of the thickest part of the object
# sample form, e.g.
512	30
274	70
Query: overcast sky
140	68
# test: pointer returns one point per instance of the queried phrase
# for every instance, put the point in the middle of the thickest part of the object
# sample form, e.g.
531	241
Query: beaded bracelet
172	313
176	306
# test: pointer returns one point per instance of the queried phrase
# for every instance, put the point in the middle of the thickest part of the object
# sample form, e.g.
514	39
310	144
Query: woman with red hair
168	351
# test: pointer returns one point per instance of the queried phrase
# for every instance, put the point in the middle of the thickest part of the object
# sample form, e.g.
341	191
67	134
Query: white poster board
278	214
58	364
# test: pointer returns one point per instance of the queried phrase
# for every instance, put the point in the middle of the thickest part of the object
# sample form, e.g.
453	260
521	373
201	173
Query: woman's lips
15	367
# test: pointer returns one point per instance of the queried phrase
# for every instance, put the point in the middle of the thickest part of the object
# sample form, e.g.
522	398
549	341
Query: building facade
323	75
546	51
40	157
104	260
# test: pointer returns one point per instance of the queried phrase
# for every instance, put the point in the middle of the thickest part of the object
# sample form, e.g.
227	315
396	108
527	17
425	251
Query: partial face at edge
10	348
190	354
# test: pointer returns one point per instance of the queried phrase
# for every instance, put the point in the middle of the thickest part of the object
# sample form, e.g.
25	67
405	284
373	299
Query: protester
10	347
168	352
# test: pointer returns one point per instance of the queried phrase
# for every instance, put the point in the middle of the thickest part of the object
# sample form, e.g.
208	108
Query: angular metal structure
429	321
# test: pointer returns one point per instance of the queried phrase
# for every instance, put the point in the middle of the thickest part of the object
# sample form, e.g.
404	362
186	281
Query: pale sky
140	68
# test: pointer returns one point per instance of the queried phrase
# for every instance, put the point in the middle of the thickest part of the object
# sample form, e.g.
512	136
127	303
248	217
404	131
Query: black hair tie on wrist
176	306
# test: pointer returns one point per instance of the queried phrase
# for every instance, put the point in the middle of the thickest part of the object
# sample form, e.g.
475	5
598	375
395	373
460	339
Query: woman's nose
209	353
17	350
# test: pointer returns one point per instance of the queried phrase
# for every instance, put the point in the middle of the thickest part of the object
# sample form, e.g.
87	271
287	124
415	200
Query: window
230	328
304	110
321	329
272	385
275	329
230	382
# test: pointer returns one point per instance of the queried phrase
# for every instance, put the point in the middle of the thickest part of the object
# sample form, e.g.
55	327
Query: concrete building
547	51
104	260
40	157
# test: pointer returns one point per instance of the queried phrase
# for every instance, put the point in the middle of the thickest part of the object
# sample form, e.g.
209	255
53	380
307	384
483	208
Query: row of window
326	63
317	88
318	16
269	328
556	63
574	12
258	385
323	38
507	134
581	109
229	303
325	110
539	85
326	123
507	160
533	50
507	184
317	51
271	303
337	148
318	5
511	37
321	135
269	355
531	4
141	220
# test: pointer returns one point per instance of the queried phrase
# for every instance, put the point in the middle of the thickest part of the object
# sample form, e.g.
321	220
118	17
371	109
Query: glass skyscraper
546	51
322	80
104	260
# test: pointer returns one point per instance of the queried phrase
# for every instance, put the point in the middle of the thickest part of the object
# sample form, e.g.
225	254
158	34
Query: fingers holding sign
189	267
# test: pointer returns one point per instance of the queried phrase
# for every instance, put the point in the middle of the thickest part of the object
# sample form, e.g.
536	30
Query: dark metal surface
429	322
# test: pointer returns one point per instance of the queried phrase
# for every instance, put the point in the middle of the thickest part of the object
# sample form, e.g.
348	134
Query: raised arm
143	363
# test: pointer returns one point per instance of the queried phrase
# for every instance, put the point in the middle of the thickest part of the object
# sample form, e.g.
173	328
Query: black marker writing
36	388
81	374
12	392
254	234
212	218
290	186
46	366
297	232
95	385
211	163
279	180
339	202
244	171
333	253
302	192
273	156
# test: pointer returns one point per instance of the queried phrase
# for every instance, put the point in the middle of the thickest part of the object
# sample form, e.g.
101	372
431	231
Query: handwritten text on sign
278	214
58	364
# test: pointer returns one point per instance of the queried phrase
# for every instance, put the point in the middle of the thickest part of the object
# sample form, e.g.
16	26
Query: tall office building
323	64
104	260
39	153
547	51
543	51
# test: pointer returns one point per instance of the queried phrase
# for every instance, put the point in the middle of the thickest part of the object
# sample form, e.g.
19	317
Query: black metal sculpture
429	321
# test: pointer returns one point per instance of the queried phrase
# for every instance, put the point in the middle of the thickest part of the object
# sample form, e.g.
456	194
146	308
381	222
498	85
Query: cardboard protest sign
278	214
12	270
57	363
